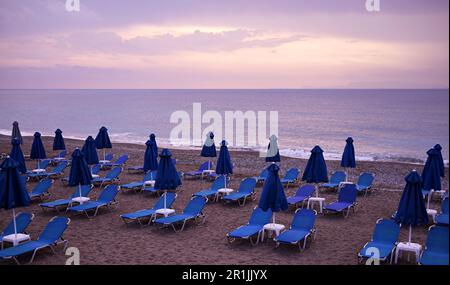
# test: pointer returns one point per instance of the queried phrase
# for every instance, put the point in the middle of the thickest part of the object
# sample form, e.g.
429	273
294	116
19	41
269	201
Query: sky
224	44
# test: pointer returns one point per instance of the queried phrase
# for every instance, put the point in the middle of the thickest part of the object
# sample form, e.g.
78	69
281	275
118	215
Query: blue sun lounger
346	200
120	161
301	228
59	158
253	228
43	164
262	176
302	195
193	211
246	190
50	237
290	177
442	218
138	185
23	220
335	180
149	214
212	191
95	169
111	177
106	199
436	248
365	182
41	190
198	173
64	203
384	240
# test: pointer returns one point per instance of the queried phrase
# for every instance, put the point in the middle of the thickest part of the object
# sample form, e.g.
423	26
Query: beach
105	239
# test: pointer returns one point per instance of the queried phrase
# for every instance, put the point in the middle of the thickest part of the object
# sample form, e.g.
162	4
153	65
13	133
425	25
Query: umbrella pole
38	164
429	199
225	178
104	154
317	190
15	225
273	218
165	197
410	233
348	174
79	189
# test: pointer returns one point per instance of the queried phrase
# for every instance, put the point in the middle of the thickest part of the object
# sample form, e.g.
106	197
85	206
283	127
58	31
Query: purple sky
224	44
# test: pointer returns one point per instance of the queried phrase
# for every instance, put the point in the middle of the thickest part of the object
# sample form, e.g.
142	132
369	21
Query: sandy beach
105	239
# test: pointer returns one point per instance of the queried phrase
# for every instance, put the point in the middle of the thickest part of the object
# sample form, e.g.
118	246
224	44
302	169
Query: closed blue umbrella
438	148
167	177
17	155
13	193
411	209
151	156
89	151
431	178
37	148
224	166
102	140
79	170
348	157
209	148
272	196
316	168
58	142
16	132
273	152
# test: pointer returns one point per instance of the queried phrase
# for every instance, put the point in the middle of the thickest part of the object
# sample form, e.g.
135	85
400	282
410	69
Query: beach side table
15	239
103	161
58	158
223	192
318	200
207	172
165	212
408	247
150	183
80	200
272	228
38	170
95	176
432	213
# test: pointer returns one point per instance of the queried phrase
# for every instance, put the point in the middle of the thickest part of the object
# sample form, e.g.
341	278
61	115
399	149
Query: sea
386	125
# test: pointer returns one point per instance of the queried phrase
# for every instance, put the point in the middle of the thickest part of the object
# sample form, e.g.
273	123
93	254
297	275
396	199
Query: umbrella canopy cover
431	174
272	196
17	155
102	140
16	132
273	152
80	173
89	151
209	148
13	193
167	177
316	168
58	142
224	165
438	148
151	156
348	157
37	148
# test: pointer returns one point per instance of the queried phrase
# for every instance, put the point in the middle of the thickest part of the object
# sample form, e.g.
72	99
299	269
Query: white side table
103	161
150	183
165	212
313	200
222	192
80	200
272	228
58	158
432	213
95	175
38	170
15	239
207	172
408	247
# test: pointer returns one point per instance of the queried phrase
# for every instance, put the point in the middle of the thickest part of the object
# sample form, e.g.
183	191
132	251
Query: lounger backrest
170	198
96	169
114	173
62	153
264	173
218	183
444	206
23	220
338	177
366	179
305	191
259	217
348	193
108	194
54	229
109	156
43	163
42	187
437	240
292	174
195	206
247	186
122	159
151	175
386	231
304	220
204	166
85	190
60	167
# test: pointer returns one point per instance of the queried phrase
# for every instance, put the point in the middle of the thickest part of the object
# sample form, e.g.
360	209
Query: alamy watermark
73	5
242	129
373	5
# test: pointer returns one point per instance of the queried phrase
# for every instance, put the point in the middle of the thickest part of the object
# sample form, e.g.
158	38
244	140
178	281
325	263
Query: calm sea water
399	125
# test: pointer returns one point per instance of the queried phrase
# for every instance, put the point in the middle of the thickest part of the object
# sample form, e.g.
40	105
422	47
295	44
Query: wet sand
105	239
